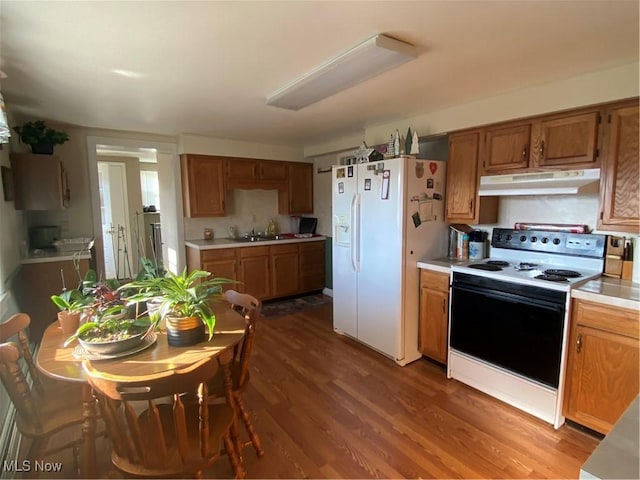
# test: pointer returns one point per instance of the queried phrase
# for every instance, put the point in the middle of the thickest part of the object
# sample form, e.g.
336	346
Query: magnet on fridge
340	173
341	187
437	196
350	171
433	167
367	184
429	182
416	219
384	193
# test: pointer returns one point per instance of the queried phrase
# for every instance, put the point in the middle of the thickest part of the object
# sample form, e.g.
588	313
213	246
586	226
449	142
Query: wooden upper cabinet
297	198
203	187
272	170
249	173
506	147
463	205
556	141
462	178
567	141
619	202
39	182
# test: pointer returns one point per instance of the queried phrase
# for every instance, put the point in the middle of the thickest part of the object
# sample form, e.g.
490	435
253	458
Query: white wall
237	148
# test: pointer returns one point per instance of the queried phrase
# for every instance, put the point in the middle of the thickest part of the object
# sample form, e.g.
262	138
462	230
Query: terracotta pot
69	322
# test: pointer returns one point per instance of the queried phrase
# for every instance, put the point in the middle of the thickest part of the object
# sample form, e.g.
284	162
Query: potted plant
184	303
71	303
41	138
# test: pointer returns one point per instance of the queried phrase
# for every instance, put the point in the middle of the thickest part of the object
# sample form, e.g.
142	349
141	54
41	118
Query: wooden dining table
65	364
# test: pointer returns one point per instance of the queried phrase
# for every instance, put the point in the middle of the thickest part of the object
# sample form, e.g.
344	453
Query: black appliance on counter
43	236
308	225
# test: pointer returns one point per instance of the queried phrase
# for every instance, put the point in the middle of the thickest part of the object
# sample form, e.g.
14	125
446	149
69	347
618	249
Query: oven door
516	327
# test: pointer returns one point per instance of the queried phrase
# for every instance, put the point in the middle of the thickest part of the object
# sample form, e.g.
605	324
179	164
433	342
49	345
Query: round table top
57	361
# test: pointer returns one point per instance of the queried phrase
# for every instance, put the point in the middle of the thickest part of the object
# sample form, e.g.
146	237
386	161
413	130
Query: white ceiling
205	67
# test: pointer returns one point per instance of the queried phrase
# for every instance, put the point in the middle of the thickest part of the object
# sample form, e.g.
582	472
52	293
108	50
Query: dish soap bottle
271	228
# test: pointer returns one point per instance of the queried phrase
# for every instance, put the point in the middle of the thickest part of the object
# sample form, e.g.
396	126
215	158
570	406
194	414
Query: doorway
147	163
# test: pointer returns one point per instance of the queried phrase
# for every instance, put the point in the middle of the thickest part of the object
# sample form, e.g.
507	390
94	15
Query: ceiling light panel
366	60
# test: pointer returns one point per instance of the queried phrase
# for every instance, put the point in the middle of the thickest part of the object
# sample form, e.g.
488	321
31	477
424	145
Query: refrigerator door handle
355	232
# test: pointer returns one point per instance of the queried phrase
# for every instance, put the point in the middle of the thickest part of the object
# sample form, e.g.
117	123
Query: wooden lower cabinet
41	280
311	266
434	315
254	271
221	263
284	270
265	271
602	367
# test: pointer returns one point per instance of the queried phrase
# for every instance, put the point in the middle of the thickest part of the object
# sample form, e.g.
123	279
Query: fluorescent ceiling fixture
129	73
366	60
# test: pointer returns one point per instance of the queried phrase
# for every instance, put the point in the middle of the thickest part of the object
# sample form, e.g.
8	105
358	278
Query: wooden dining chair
153	432
249	307
45	407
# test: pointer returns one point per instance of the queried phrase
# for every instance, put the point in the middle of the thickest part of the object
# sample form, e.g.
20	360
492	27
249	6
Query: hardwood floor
327	407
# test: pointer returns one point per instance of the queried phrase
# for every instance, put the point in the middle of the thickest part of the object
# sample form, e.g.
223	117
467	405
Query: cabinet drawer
287	248
312	247
217	254
253	251
434	280
605	317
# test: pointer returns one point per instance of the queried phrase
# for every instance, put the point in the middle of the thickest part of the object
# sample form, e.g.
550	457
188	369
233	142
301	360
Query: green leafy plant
184	295
37	133
72	301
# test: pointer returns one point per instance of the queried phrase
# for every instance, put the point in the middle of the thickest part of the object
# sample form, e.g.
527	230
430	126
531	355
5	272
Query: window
150	188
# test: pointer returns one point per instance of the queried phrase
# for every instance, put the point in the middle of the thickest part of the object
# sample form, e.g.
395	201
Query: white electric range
509	315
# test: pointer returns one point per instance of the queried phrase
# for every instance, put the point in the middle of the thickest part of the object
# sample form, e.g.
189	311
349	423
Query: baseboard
328	292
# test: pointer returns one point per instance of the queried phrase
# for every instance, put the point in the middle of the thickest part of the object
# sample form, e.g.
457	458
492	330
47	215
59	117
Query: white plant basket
73	244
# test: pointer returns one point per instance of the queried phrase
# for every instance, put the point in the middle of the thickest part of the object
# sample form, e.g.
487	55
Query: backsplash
242	207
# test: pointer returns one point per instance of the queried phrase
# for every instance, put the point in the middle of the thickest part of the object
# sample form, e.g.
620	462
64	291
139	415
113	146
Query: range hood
541	183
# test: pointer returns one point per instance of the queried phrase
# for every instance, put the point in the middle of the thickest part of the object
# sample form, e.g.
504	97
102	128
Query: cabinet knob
579	343
542	149
444	306
524	151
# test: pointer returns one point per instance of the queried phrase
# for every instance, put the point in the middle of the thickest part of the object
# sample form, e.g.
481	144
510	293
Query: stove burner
563	273
486	266
525	266
499	263
551	277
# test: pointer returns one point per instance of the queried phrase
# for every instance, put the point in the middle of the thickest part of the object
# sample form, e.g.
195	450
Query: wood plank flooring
327	407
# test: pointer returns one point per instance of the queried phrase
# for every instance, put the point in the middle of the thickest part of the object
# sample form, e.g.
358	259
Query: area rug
279	308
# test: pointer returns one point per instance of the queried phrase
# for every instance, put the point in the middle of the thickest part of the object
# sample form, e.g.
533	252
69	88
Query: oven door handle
509	297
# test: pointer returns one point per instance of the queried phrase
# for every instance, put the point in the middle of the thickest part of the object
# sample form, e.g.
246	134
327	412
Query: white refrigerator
387	215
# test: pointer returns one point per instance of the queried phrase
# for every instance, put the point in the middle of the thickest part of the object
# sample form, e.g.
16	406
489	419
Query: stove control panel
579	244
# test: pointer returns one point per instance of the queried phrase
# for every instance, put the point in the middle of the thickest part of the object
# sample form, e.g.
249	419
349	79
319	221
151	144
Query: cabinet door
568	141
41	280
311	266
272	170
254	271
221	263
39	182
297	197
284	270
604	377
241	169
434	315
506	148
203	187
462	178
619	202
